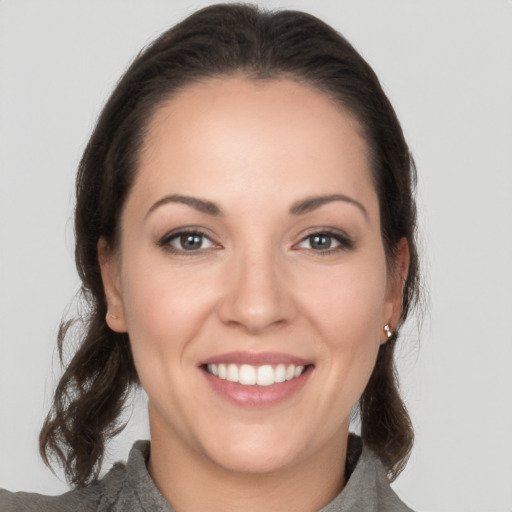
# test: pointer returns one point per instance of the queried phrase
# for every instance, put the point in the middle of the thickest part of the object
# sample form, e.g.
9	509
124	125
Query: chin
259	451
252	460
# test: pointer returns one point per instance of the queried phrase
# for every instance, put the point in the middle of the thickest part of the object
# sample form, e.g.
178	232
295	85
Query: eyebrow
312	203
201	205
298	208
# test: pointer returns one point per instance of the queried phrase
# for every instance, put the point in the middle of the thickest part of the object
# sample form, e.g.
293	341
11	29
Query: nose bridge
257	296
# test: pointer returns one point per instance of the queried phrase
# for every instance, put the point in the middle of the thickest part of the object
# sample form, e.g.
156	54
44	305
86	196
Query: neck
191	482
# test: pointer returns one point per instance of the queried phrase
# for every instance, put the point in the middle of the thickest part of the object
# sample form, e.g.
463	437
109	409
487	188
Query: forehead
237	137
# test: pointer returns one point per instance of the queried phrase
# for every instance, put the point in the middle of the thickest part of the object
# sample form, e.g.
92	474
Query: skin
256	284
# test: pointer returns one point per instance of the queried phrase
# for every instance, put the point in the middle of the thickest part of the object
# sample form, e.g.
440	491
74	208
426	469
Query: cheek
164	310
347	304
346	310
164	306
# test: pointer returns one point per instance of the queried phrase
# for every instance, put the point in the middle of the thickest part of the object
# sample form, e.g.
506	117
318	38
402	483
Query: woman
245	238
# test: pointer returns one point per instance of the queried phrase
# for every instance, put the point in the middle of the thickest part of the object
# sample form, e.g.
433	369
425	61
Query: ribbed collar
367	487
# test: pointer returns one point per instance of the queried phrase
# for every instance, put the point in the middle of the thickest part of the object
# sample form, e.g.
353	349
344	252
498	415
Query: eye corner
175	240
329	241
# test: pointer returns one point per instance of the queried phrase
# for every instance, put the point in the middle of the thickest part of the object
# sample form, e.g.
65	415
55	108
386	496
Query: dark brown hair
217	41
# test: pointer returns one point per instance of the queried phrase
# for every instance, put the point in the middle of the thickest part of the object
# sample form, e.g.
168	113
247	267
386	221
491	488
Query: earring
388	331
111	315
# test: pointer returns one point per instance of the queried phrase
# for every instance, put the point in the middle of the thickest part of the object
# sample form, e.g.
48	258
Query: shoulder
95	497
374	484
126	487
368	485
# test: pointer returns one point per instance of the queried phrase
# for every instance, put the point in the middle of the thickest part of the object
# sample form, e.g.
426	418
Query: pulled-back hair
218	41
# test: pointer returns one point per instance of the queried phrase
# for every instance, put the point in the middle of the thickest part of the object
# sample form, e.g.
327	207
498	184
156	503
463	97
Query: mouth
251	375
256	380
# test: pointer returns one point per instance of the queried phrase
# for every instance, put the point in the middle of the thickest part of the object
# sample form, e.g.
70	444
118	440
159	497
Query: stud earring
388	331
115	317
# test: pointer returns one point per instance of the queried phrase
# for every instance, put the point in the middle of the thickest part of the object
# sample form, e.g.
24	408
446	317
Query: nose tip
257	297
255	319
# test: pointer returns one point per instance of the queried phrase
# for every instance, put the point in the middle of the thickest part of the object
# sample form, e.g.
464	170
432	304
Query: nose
258	294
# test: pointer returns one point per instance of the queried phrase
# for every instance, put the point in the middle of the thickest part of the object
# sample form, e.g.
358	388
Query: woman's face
250	254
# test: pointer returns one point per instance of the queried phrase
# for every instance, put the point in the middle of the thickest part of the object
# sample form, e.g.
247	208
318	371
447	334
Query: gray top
128	487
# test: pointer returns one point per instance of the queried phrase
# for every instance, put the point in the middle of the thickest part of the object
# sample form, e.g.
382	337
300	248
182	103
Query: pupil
321	242
191	241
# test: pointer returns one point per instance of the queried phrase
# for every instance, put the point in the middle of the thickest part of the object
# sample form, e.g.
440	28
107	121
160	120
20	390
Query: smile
249	375
256	380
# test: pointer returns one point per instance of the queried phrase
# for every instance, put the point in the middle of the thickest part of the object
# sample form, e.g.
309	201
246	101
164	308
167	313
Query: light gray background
447	67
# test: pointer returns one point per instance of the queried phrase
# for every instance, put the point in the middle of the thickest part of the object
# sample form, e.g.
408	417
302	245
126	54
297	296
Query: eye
186	241
326	242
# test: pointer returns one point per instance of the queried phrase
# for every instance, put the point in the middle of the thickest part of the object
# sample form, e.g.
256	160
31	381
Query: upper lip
255	359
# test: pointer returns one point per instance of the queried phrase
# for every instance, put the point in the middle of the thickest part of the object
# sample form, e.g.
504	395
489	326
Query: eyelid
165	241
344	240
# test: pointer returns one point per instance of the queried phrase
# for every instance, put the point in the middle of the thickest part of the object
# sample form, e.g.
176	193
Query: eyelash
344	241
166	240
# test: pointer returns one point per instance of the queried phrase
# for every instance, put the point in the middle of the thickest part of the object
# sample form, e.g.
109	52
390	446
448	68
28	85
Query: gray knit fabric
129	488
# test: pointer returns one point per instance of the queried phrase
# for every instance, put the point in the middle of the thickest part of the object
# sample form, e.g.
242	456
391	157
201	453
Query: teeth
249	375
232	373
265	376
280	373
298	371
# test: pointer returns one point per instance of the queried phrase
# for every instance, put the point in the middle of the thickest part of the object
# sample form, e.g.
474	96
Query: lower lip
257	396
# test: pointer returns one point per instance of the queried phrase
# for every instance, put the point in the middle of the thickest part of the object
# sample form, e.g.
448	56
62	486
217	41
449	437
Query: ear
109	267
394	293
